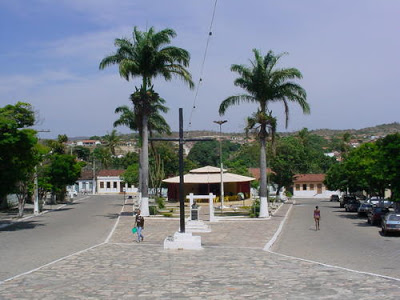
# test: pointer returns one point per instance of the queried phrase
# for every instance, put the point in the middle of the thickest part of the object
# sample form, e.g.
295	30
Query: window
297	187
129	185
304	187
102	184
311	186
114	184
108	184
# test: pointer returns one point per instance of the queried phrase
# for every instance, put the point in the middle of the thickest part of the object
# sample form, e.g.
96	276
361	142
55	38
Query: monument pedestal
197	226
183	241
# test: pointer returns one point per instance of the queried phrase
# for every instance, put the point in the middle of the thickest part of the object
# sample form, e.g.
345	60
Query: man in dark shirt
139	220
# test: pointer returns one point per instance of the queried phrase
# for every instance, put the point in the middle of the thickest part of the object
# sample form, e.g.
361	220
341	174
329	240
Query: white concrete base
263	208
183	241
144	206
197	226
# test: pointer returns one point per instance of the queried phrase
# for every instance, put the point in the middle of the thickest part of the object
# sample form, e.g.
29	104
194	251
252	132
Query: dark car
334	198
376	214
352	205
364	209
345	199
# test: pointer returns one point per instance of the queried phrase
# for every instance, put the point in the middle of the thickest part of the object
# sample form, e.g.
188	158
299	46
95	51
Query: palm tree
148	56
266	84
133	118
112	140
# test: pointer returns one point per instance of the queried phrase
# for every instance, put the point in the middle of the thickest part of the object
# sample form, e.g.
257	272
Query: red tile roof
255	172
110	172
309	178
86	175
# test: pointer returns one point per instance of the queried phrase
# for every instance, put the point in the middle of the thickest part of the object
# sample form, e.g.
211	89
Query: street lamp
220	122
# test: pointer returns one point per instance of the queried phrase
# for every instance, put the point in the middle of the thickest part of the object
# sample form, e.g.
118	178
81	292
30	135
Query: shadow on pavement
22	226
126	213
60	209
110	216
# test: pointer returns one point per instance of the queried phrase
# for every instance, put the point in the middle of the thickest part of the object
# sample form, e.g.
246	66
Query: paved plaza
232	265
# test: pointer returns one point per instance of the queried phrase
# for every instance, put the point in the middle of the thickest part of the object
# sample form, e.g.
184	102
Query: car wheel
368	221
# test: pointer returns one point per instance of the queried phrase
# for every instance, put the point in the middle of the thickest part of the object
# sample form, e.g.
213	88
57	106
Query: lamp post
220	122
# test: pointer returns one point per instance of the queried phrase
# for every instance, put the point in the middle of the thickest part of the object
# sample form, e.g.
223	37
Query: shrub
255	209
160	202
167	214
153	210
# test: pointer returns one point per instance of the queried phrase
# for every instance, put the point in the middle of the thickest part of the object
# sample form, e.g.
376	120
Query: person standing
139	220
317	217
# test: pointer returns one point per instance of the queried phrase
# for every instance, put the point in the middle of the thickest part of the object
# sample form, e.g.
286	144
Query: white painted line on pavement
113	229
335	267
278	232
272	241
51	263
115	225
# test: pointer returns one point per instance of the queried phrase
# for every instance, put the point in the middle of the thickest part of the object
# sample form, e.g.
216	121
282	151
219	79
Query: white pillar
211	205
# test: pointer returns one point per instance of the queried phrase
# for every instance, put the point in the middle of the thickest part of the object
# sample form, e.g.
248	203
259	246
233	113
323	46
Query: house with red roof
310	186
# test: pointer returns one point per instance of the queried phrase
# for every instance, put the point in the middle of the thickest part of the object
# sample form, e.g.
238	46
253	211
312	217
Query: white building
110	182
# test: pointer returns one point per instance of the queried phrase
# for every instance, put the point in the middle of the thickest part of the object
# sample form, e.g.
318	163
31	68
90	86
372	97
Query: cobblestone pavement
232	265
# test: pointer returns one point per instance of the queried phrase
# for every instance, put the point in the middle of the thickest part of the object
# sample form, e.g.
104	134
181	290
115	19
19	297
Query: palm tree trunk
144	204
263	179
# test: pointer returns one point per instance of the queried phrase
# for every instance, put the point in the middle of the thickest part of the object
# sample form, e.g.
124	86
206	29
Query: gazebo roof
207	175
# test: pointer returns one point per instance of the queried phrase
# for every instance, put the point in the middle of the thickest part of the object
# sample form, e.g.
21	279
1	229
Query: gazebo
205	180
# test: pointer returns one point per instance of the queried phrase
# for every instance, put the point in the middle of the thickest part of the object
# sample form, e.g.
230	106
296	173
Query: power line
202	66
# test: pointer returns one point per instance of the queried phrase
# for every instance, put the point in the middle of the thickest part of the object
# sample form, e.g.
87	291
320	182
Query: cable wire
202	68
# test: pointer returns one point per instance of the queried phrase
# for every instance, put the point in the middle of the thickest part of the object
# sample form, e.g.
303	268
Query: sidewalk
232	265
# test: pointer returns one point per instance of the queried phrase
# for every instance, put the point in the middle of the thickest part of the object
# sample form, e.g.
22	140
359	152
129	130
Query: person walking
317	217
139	221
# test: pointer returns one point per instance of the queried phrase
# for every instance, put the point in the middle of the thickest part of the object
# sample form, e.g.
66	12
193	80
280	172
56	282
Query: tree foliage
17	147
372	167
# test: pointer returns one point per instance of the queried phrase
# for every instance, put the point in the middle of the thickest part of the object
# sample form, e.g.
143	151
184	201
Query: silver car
391	223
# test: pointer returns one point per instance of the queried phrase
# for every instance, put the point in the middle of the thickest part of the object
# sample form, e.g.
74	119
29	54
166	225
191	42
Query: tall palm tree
133	118
148	56
265	84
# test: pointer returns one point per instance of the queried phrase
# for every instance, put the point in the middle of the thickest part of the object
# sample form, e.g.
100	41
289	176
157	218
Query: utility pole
220	159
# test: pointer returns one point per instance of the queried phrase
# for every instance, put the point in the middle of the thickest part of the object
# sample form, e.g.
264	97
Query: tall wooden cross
181	141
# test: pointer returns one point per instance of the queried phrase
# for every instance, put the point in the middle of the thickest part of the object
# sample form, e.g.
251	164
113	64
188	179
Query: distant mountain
379	130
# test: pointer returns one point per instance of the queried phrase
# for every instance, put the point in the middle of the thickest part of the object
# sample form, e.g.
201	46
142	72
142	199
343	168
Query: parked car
364	209
379	202
352	205
334	198
390	223
346	198
376	214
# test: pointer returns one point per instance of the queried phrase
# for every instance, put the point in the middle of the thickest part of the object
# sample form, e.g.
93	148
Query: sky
347	51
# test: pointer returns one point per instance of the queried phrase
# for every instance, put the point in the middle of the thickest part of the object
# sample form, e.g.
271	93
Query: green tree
82	153
112	140
17	147
266	84
388	162
63	170
102	155
131	174
148	55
